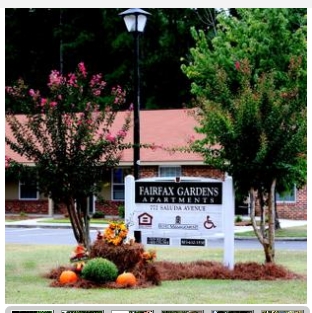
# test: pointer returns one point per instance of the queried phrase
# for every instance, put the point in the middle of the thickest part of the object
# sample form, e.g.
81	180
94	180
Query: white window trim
116	184
170	166
26	199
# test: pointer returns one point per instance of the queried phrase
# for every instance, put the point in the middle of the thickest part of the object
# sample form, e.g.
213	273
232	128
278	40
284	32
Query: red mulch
216	270
192	270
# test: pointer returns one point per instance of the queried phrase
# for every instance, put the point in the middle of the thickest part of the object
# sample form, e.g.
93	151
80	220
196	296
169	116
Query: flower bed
123	252
131	257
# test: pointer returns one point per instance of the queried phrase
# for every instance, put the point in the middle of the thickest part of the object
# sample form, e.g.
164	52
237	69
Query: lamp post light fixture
135	20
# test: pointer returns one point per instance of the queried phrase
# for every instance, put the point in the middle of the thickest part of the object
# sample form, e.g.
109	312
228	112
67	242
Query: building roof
162	128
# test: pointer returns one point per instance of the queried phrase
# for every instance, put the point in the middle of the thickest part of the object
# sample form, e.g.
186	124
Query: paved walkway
284	223
41	222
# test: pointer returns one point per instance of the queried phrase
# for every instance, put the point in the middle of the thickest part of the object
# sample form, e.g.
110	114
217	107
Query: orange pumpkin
68	276
126	280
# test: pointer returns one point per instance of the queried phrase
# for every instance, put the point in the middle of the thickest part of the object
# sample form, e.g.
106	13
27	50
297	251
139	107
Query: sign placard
183	213
178	193
158	241
193	242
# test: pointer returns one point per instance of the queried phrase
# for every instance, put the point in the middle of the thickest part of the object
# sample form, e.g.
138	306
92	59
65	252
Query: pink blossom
7	161
82	69
96	80
96	92
43	101
237	65
97	84
109	137
119	95
72	80
122	134
55	79
67	119
88	106
34	94
53	104
18	90
9	89
31	92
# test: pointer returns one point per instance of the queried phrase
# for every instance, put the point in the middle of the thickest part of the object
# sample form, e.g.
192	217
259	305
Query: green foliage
121	211
99	37
251	83
238	219
100	270
68	137
98	214
261	131
70	149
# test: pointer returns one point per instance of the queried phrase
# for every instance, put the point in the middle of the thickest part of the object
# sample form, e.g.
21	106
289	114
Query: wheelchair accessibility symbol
208	224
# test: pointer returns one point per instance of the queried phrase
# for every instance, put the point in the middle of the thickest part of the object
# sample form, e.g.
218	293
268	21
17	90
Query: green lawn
291	232
25	266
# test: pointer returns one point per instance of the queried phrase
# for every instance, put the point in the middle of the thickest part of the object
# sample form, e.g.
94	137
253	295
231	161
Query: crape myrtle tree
250	83
69	139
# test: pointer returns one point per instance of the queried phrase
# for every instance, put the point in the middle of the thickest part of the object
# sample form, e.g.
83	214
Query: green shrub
98	214
100	270
121	211
238	219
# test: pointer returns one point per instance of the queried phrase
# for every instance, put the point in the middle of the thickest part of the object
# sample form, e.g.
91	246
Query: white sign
189	212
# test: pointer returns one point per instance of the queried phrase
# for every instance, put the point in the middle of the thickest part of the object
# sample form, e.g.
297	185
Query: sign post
228	222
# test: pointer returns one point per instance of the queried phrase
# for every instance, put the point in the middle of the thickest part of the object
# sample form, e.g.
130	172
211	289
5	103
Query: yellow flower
123	227
115	233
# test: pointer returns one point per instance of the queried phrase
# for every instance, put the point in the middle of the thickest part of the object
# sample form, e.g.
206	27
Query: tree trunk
277	222
257	231
85	221
268	240
262	211
79	220
270	255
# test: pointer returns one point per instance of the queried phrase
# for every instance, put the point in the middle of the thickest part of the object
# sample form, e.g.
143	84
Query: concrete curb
276	238
48	226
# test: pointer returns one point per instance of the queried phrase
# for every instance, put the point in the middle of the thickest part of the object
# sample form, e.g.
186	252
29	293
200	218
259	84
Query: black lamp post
135	20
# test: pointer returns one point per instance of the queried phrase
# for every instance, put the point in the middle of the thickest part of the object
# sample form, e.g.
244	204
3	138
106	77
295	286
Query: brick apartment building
167	128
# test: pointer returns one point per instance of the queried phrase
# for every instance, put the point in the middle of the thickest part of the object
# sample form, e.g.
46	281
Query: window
289	196
118	182
169	171
28	189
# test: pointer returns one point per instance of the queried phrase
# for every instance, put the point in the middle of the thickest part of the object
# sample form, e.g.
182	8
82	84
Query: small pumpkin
126	279
67	277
